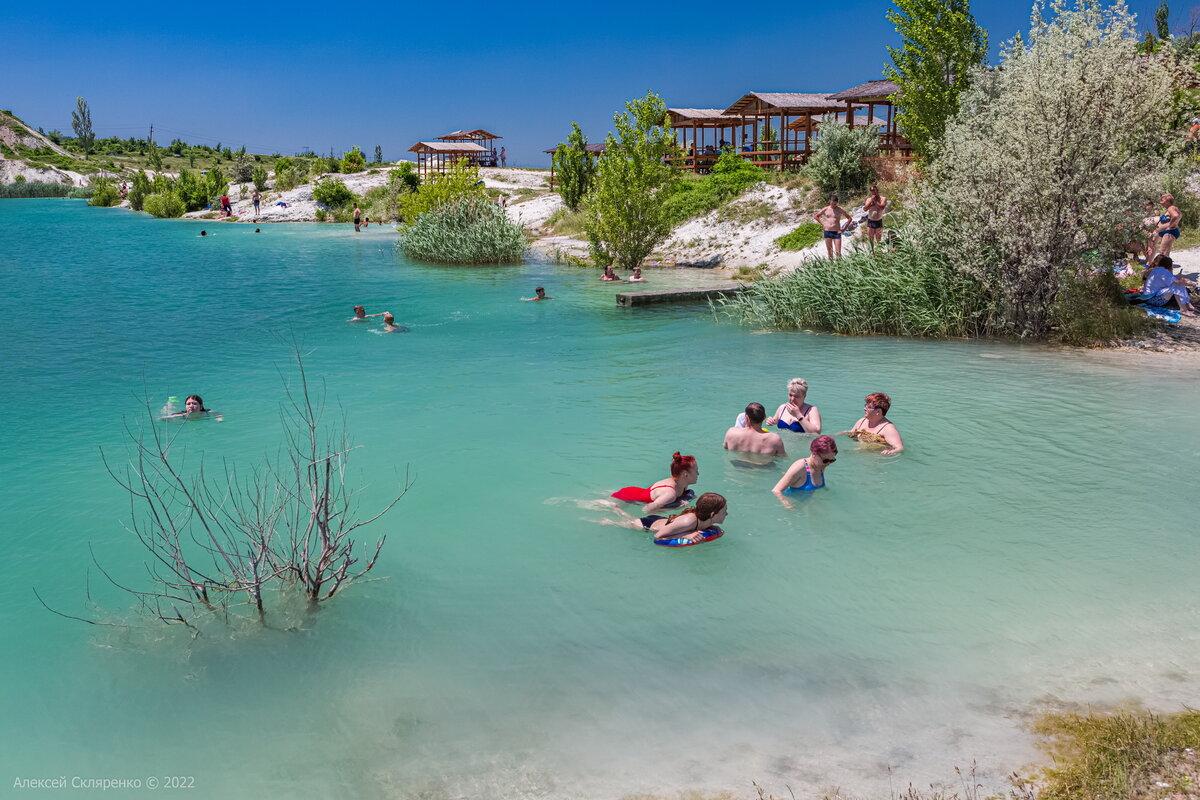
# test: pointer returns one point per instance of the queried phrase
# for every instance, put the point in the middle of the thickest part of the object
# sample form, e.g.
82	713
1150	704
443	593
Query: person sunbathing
1162	288
751	438
875	428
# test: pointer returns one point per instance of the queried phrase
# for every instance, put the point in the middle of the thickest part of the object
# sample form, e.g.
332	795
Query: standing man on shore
257	198
357	219
503	157
876	207
830	219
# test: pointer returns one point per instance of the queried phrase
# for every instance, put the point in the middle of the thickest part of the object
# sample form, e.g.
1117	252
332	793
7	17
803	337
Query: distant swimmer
636	277
808	474
193	407
390	326
751	438
875	427
204	233
361	315
796	415
609	275
830	217
258	230
538	294
876	207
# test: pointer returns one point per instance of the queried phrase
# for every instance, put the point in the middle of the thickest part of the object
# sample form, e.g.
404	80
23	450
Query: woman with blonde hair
796	414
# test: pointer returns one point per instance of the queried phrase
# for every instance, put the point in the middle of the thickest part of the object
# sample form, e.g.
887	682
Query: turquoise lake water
1032	546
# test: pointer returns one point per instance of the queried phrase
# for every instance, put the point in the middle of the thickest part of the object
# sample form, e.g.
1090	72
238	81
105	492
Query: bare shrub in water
466	231
1050	158
222	539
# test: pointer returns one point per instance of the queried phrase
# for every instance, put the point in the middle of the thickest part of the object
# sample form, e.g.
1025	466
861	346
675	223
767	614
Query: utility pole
150	138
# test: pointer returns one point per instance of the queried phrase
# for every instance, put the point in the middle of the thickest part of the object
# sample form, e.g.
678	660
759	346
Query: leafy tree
575	167
81	122
259	176
166	205
243	168
353	161
378	154
332	193
104	193
839	162
1162	21
942	46
154	158
138	190
625	215
227	154
406	176
460	181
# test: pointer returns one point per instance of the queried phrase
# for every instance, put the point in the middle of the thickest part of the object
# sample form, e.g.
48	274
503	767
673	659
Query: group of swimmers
751	433
389	319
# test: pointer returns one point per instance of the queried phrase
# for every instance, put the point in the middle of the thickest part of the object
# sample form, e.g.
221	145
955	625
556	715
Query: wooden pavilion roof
459	148
758	103
860	121
703	118
869	92
459	136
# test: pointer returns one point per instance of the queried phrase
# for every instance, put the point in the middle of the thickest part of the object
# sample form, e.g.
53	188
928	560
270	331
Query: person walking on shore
357	219
830	219
257	199
875	207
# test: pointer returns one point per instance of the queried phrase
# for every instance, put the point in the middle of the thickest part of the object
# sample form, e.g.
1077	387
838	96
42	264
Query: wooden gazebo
871	94
485	139
700	154
595	150
434	156
784	108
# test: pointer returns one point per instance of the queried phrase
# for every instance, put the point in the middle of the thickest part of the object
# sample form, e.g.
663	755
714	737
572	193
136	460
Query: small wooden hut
870	95
596	150
701	153
434	156
485	139
777	110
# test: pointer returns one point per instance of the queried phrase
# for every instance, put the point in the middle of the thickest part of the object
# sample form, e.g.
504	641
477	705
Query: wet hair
880	401
823	445
681	464
204	233
388	317
798	385
756	413
197	398
708	505
360	311
539	290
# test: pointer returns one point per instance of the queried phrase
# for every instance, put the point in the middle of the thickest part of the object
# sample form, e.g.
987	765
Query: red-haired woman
808	474
668	491
875	428
690	524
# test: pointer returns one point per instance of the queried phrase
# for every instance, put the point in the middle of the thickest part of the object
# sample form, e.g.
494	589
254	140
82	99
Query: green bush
470	230
459	182
139	187
838	164
259	176
34	189
332	193
290	172
895	291
166	205
104	193
353	161
576	167
803	237
731	175
243	169
1090	310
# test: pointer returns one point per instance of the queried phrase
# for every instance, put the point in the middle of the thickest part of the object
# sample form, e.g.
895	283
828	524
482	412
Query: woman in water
710	510
808	474
636	277
797	415
875	427
609	275
390	326
684	473
193	407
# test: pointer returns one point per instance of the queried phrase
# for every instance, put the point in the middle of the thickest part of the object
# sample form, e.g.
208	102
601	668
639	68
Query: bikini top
796	426
808	486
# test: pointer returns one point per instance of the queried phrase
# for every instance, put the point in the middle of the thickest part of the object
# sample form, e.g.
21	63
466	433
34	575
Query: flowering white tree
1050	157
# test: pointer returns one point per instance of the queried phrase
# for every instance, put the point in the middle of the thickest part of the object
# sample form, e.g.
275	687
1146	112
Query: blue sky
283	77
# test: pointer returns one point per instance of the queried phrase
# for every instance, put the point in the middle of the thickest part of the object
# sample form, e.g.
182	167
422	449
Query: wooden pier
656	296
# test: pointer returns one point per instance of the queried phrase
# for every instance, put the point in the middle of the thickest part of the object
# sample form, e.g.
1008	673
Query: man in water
357	218
390	326
752	438
876	207
830	219
538	294
361	315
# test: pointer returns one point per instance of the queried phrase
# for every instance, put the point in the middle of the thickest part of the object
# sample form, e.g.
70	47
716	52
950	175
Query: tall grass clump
1116	756
898	291
839	162
471	230
35	189
731	176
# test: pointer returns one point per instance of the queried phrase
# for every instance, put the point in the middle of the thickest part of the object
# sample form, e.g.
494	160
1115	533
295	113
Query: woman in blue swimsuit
796	415
808	474
1168	224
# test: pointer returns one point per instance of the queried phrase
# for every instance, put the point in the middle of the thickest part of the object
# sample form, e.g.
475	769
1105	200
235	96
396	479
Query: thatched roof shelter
479	134
869	92
785	145
434	156
767	104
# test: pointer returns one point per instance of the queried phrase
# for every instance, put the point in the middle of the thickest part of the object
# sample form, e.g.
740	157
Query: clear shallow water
1020	552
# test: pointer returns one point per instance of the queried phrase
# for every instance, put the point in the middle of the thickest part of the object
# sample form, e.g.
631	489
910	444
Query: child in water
710	510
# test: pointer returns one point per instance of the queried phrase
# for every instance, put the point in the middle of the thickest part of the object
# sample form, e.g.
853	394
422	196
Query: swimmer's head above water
540	292
360	312
825	448
755	414
194	404
204	233
388	318
684	468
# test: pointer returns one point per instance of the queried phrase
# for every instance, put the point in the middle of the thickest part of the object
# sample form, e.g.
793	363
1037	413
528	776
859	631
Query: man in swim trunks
357	219
876	207
830	218
361	315
752	438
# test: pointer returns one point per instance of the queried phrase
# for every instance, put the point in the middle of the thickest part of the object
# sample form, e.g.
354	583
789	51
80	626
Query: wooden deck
655	296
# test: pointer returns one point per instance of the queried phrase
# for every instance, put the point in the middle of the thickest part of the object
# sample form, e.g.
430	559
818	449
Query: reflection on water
908	616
